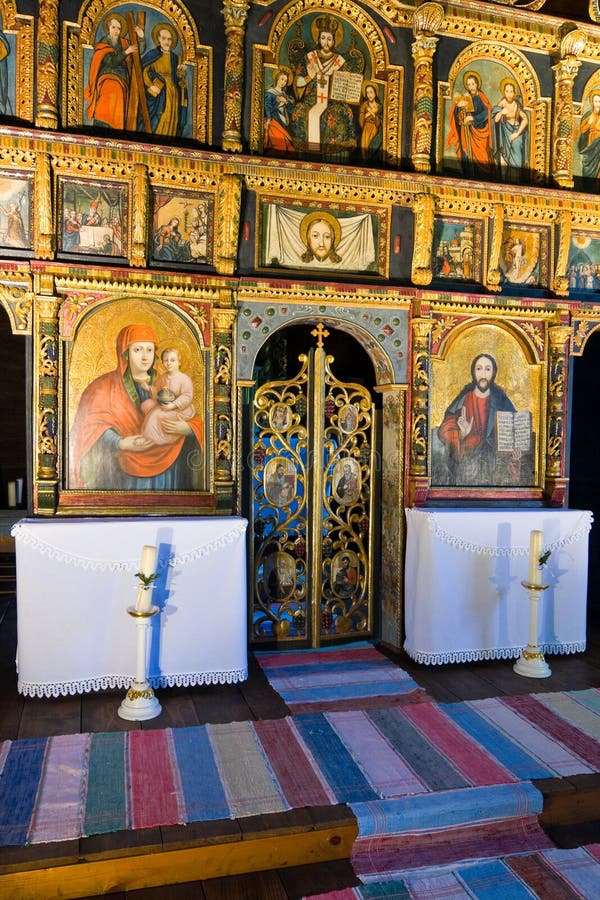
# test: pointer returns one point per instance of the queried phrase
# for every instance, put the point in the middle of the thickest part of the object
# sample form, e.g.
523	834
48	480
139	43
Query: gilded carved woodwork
428	19
558	339
223	379
23	28
421	331
140	213
497	227
563	126
584	323
44	239
46	399
560	285
228	207
16	298
235	13
424	209
47	69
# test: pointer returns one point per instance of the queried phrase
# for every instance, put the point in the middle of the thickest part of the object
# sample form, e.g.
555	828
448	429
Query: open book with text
513	431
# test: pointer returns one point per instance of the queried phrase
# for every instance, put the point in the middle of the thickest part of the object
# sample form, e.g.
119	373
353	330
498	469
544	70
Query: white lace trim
460	656
21	533
459	543
112	682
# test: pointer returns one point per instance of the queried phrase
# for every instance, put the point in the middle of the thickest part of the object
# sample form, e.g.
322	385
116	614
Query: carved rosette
46	311
564	128
424	209
560	284
421	330
222	381
47	65
235	13
558	336
229	199
497	227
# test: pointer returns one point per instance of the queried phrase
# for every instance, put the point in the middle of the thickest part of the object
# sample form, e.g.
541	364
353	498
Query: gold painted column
223	433
235	13
46	412
229	204
419	437
424	209
47	65
497	228
560	283
393	528
571	47
426	21
556	481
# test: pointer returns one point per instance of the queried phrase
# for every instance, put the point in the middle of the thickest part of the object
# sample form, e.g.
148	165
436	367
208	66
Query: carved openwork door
312	483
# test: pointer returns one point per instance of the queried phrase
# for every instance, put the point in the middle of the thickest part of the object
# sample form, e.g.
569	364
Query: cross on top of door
320	332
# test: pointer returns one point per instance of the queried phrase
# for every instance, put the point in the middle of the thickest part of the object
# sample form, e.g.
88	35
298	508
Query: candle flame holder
140	703
531	663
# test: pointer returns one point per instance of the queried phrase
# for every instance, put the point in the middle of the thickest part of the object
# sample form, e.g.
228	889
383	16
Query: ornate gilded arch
527	81
78	38
384	76
383	369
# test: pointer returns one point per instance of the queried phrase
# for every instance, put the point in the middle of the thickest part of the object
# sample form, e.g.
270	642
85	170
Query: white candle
535	551
147	567
148	563
12	493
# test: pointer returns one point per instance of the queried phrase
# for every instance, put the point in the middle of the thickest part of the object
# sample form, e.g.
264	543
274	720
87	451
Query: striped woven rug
549	875
355	676
69	786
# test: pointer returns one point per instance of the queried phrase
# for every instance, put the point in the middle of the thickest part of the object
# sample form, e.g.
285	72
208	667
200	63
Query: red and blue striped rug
354	676
69	786
551	874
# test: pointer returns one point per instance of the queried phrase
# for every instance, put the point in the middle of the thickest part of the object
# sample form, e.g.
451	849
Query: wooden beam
128	873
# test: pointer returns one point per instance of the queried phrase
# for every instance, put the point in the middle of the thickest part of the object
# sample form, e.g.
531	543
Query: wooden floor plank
303	881
211	701
47	717
256	886
99	713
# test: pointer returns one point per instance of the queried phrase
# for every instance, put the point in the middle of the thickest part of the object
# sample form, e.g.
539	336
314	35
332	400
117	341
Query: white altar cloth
76	578
463	595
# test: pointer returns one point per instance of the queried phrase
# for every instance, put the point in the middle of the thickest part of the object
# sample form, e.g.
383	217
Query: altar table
463	595
76	578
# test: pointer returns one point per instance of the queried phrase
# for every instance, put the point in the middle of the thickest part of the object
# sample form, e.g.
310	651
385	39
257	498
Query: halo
472	74
120	19
278	70
324	23
165	26
506	81
591	94
316	216
372	84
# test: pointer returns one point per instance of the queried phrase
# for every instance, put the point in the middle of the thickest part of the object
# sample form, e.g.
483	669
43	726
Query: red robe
106	93
105	404
476	408
472	141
